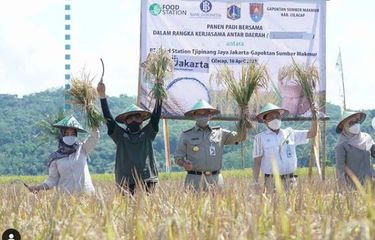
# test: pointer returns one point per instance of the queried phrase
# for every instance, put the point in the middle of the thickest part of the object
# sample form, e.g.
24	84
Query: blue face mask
202	121
69	140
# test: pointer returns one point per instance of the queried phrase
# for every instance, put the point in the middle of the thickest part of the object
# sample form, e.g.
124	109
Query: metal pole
323	152
67	47
341	68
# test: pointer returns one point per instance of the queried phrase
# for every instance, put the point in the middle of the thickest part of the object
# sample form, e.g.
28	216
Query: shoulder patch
188	130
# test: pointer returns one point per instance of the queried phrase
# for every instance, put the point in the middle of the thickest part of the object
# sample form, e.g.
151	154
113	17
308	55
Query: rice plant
252	78
46	126
83	97
158	67
313	210
307	77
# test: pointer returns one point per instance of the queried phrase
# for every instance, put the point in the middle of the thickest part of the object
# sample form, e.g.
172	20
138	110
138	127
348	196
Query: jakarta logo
256	11
155	9
206	6
233	12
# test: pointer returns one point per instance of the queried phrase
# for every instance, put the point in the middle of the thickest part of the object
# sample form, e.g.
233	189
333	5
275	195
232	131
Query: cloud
111	32
30	53
350	27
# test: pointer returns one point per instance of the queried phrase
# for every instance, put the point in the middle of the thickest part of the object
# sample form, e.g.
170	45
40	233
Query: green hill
24	147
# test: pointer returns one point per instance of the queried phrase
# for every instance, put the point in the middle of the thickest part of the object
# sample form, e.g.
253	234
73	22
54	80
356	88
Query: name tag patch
212	150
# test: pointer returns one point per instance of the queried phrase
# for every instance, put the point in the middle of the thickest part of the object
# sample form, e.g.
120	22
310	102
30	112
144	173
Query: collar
197	128
269	131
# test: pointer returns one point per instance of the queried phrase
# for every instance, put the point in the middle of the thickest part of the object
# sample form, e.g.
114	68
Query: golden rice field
314	210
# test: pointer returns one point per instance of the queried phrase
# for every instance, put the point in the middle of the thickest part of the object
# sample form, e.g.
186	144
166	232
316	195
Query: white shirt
280	147
71	174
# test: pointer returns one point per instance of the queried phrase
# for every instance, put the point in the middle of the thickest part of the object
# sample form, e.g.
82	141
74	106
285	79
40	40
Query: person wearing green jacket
135	161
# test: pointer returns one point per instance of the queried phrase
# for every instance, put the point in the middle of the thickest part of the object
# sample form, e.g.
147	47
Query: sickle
101	79
19	181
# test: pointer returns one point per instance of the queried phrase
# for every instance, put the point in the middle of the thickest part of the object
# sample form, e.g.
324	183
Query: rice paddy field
313	210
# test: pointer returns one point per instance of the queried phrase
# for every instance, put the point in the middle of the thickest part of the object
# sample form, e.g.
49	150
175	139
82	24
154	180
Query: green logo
155	9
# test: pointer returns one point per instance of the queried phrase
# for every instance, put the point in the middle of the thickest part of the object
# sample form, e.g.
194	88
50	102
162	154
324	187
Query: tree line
25	145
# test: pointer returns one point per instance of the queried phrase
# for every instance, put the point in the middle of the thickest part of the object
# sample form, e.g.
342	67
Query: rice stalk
83	97
173	213
47	132
307	77
252	78
47	128
158	67
280	196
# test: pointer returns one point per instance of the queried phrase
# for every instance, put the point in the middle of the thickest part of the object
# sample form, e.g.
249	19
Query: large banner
204	35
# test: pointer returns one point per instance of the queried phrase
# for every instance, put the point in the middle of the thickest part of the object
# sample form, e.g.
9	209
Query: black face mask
134	126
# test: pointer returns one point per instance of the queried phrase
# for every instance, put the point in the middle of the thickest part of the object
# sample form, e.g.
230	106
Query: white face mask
355	129
275	124
69	140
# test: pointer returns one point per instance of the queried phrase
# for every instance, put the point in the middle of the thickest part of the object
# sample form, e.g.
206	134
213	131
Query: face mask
275	124
202	121
134	126
355	129
69	140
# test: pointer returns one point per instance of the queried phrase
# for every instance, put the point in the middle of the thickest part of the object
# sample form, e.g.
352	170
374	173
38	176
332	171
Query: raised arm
91	141
155	115
105	109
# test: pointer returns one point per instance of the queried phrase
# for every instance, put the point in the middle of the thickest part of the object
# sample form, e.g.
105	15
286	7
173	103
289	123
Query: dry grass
252	78
48	131
157	68
314	210
307	77
84	97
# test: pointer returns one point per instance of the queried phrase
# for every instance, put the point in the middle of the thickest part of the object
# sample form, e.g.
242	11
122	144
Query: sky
32	46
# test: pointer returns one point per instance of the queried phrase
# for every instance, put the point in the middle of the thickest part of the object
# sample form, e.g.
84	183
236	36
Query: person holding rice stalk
135	161
354	150
67	167
279	145
200	149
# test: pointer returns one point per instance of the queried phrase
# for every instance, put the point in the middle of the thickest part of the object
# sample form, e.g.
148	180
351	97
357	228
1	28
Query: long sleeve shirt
71	174
357	160
134	151
111	123
204	147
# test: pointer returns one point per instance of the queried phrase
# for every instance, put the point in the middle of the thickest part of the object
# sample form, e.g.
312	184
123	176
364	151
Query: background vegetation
313	210
24	147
